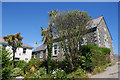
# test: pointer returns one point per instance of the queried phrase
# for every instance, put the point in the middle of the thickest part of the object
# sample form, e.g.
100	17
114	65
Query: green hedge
94	56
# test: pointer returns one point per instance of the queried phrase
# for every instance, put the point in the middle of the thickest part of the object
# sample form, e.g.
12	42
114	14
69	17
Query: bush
55	64
32	66
58	74
79	73
6	73
6	67
40	73
15	72
99	69
94	56
20	63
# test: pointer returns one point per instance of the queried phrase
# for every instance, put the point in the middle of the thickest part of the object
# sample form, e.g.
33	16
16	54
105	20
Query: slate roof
41	47
2	41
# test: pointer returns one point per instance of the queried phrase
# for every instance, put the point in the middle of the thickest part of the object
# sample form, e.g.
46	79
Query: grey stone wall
103	36
44	55
91	37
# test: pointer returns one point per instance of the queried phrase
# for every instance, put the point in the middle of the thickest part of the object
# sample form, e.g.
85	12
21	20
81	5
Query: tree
14	41
48	39
70	27
5	61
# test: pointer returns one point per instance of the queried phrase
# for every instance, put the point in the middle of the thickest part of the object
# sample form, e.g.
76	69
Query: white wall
19	53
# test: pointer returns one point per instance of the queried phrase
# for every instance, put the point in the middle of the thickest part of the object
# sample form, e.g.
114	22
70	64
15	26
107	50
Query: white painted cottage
22	53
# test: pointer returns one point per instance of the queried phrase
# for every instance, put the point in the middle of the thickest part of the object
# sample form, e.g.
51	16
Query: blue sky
27	17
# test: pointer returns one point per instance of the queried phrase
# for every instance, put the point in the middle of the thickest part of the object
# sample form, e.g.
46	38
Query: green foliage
106	50
55	64
20	63
58	74
15	42
70	27
99	69
94	56
15	72
79	73
48	40
6	67
32	63
40	73
6	71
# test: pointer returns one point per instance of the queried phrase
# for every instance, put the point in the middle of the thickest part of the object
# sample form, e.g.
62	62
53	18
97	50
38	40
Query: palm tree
47	38
14	41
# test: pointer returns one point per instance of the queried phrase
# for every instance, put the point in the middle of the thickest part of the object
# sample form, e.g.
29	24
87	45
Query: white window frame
35	55
26	60
24	50
17	59
41	54
55	49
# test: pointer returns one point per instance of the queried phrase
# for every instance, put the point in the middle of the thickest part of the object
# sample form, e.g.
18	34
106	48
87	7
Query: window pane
41	54
26	59
55	46
24	50
55	51
17	59
35	55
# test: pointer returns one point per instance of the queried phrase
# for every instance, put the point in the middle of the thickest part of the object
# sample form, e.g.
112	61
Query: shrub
54	65
59	74
99	69
15	72
79	73
94	56
6	73
32	66
40	73
5	62
20	63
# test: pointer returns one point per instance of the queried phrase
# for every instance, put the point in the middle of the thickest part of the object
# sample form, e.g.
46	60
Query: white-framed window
35	55
24	50
26	59
17	59
41	54
55	50
19	54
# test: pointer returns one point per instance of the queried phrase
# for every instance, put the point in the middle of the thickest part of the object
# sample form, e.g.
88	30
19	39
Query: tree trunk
13	64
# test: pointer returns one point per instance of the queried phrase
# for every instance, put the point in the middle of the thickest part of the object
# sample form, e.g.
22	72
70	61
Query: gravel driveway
111	72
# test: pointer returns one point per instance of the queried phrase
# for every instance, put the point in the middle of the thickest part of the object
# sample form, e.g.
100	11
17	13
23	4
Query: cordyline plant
70	27
48	39
14	41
